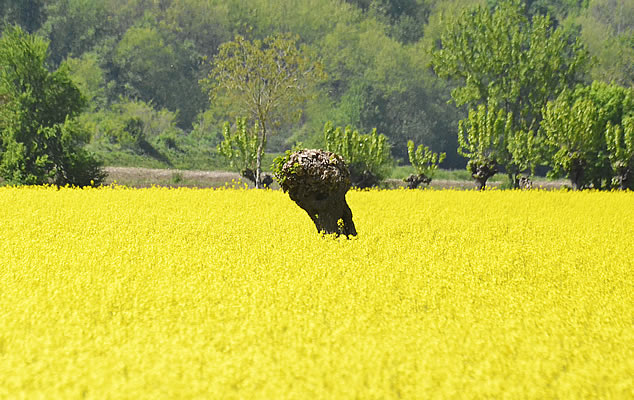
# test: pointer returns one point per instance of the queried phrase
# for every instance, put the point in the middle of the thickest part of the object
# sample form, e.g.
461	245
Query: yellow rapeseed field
119	293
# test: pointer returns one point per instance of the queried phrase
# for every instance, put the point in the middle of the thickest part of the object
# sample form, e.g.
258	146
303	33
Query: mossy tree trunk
317	181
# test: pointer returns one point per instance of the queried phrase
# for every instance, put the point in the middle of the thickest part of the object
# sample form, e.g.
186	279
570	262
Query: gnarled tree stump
415	180
317	181
481	170
250	175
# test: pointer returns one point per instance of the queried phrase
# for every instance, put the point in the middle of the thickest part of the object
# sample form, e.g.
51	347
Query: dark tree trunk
525	183
327	210
318	181
413	181
361	178
481	171
577	173
250	175
576	178
480	184
623	176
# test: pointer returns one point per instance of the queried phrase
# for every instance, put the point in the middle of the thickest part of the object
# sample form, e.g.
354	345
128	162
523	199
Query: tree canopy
266	80
513	64
40	139
589	135
376	54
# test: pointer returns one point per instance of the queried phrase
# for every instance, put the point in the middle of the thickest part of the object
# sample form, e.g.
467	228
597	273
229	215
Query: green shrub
40	141
368	155
425	162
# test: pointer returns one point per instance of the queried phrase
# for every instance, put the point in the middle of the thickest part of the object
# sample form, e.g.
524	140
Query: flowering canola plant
190	293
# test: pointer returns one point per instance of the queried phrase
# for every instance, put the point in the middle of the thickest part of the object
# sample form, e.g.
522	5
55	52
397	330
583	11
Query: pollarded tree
620	142
426	163
368	155
268	80
500	57
523	152
40	140
481	139
317	181
577	141
588	133
239	147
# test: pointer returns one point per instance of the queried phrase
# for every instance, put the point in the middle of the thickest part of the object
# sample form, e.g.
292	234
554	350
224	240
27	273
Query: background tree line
140	64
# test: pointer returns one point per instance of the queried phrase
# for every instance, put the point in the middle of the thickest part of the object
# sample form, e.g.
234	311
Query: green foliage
279	161
405	19
482	139
28	14
374	81
240	145
587	132
205	24
145	56
75	27
40	140
482	134
620	144
557	9
607	27
90	78
573	132
268	80
368	155
131	123
524	153
423	159
206	129
502	58
76	166
375	53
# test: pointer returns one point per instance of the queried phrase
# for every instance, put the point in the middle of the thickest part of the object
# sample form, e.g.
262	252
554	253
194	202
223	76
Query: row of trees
589	136
157	52
141	65
586	135
375	55
515	75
